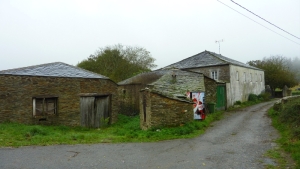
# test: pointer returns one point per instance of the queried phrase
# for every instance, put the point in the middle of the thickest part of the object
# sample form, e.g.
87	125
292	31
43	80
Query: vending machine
199	104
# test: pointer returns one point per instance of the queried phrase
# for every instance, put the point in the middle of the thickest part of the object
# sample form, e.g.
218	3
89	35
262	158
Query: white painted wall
244	81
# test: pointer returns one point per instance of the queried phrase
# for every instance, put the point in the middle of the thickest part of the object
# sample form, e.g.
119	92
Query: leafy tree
277	71
294	65
119	62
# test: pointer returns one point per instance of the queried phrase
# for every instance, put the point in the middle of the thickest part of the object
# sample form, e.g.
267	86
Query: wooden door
221	97
101	111
94	111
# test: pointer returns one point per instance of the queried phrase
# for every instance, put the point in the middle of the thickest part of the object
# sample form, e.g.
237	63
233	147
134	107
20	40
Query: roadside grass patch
287	123
127	129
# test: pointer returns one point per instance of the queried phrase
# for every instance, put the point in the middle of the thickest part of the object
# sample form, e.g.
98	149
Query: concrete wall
163	111
244	81
16	94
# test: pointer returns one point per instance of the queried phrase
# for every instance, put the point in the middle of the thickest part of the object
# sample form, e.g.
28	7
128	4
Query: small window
244	76
237	76
214	75
261	78
44	106
250	77
256	77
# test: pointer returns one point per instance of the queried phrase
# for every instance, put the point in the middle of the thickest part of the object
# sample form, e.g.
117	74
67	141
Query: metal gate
221	97
94	111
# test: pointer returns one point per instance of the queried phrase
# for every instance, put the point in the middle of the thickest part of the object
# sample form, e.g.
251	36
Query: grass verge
127	129
288	142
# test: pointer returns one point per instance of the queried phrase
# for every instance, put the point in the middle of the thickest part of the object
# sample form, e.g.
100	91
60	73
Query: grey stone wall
16	93
223	72
162	111
210	90
178	82
129	98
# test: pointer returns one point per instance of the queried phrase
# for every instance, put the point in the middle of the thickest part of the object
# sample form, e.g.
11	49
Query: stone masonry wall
164	111
16	93
223	72
129	99
179	82
210	90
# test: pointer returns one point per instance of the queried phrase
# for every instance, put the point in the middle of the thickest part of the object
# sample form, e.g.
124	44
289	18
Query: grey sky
42	31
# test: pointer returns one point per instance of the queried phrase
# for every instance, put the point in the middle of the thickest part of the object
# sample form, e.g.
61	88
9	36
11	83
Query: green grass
289	142
127	129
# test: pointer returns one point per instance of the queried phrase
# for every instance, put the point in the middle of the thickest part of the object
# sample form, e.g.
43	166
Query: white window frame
214	75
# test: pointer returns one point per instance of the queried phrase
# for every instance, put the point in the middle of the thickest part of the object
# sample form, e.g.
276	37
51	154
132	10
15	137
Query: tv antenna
218	41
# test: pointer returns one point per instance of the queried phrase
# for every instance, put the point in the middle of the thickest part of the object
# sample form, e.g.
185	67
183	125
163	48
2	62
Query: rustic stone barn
241	79
57	93
165	96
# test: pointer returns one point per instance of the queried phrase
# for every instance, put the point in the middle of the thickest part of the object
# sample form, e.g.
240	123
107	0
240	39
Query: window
256	77
214	75
43	106
244	76
237	76
250	77
261	78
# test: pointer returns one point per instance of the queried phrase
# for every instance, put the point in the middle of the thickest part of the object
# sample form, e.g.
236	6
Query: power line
264	19
259	23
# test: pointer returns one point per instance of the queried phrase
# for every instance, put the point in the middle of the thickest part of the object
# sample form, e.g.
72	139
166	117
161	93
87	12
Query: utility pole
218	41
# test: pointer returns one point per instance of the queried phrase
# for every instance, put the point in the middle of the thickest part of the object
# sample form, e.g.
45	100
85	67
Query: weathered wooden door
101	111
221	97
94	111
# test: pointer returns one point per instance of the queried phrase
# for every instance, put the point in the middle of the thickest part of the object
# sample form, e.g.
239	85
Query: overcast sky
42	31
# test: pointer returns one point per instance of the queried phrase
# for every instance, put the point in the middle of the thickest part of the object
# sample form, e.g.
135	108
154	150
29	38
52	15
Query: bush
252	97
290	115
238	103
264	96
294	93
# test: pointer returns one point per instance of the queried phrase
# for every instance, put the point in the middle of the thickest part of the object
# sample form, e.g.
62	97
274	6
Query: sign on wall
199	104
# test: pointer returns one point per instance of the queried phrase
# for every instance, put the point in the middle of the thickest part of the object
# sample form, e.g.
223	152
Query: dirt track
238	141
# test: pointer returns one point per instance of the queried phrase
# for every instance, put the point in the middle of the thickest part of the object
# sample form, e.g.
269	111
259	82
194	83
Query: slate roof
55	69
144	78
206	59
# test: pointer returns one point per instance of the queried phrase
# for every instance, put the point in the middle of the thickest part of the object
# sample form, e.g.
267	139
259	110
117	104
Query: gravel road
236	142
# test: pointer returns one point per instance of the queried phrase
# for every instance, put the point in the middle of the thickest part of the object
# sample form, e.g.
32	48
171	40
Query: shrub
238	102
252	97
264	96
294	93
290	115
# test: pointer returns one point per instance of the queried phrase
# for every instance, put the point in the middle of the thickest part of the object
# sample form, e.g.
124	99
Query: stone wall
178	82
129	99
17	92
210	90
223	72
163	111
279	104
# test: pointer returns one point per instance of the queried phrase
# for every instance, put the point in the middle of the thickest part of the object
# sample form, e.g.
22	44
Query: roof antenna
218	41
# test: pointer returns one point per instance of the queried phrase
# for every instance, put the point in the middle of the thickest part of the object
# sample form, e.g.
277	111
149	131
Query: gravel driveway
238	141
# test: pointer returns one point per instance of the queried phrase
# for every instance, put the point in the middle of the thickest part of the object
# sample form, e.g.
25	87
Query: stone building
162	97
241	79
57	93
